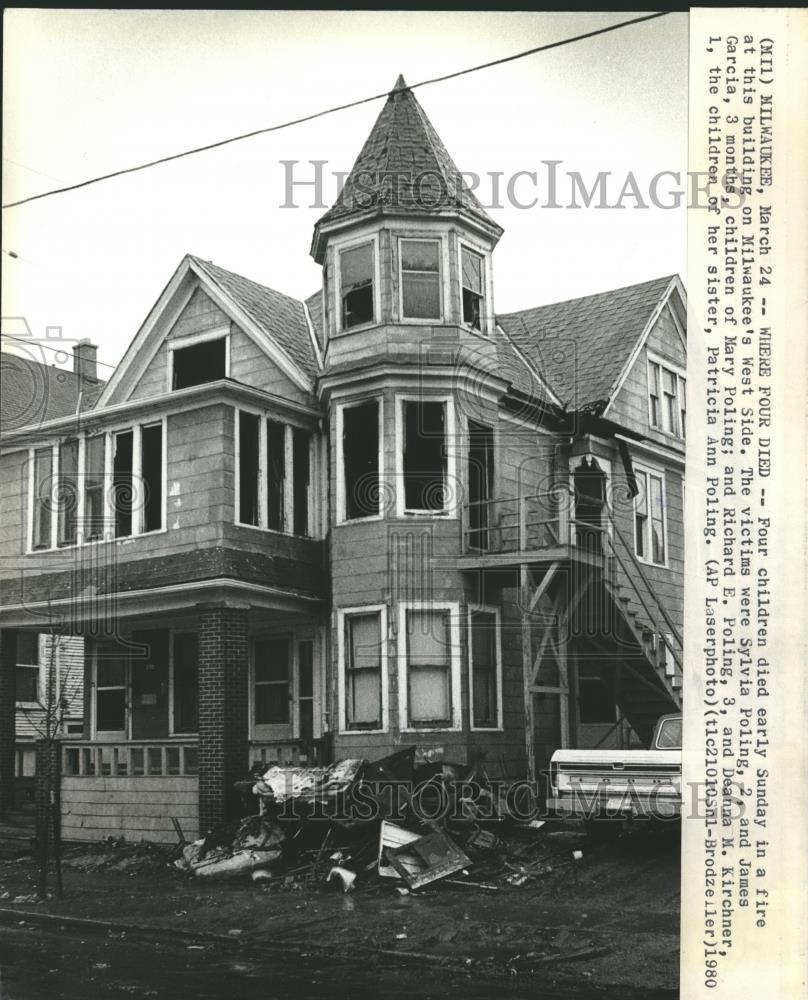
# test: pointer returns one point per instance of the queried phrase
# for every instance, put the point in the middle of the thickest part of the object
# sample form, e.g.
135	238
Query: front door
285	688
149	678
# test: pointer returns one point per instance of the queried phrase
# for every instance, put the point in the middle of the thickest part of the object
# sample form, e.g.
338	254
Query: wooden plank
138	784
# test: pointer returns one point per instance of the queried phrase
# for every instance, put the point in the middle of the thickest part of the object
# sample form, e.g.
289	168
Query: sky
87	92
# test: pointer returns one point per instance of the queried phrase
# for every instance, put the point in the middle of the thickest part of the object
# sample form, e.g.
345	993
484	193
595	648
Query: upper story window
426	459
650	528
356	285
359	458
666	398
472	283
273	475
420	279
200	362
27	669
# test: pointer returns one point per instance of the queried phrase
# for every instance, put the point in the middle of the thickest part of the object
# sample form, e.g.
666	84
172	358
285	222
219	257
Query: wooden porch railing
518	524
135	758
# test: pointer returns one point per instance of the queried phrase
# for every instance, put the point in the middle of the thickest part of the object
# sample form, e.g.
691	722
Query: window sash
27	683
429	680
363	670
356	285
649	518
420	279
43	497
472	287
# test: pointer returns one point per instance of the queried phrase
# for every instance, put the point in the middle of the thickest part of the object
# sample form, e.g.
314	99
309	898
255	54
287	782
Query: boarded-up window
420	279
272	680
248	468
186	682
360	459
43	501
122	483
363	671
94	487
356	283
200	363
429	680
68	491
471	265
276	473
152	476
424	458
485	707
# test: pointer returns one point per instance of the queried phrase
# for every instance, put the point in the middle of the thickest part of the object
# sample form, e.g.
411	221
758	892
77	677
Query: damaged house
299	531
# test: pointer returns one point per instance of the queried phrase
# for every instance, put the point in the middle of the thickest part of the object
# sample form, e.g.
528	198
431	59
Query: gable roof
582	346
32	392
403	169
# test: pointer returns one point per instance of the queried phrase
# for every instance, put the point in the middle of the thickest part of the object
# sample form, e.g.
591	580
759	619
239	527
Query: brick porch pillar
223	713
8	722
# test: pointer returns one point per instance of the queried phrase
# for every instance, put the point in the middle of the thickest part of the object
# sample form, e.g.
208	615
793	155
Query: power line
331	111
39	345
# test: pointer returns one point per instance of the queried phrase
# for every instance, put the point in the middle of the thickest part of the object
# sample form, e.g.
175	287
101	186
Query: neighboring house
382	517
33	391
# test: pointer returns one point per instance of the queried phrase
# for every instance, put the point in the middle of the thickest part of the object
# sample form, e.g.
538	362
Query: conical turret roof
403	169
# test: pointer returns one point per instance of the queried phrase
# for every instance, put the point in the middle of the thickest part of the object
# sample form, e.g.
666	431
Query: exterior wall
137	808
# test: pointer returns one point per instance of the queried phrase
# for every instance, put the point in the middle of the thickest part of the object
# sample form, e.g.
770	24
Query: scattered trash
577	855
435	854
343	875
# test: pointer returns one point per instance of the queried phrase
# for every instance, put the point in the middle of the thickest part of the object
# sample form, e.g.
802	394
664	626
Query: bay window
356	267
420	279
425	456
429	667
359	437
472	278
362	673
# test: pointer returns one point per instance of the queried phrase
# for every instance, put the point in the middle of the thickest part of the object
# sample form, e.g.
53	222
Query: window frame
471	610
450	511
455	665
339	431
343	727
680	402
126	687
435	238
351	244
19	703
486	310
271	731
192	340
646	470
172	635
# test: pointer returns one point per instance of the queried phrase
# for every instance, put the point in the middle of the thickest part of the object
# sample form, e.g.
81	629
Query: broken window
27	668
305	689
248	439
356	285
424	458
151	459
481	483
363	670
199	363
110	689
471	264
122	487
420	279
649	518
43	500
276	473
94	487
185	680
429	680
68	494
272	680
360	459
301	471
484	670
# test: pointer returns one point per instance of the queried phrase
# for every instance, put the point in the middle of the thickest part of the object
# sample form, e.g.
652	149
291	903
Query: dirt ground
610	919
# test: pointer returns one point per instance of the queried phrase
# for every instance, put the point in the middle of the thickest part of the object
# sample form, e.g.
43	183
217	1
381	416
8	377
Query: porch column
223	713
8	723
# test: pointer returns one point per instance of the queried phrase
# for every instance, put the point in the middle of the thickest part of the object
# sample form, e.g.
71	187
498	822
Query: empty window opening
428	668
590	501
68	492
272	681
43	498
472	288
485	706
481	483
276	473
110	689
301	449
94	487
363	671
424	459
360	456
152	476
248	432
185	682
122	483
27	668
356	283
420	279
199	363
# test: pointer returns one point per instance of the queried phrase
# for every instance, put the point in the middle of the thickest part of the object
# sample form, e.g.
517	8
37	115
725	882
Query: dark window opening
424	459
27	668
276	473
248	468
420	279
595	700
305	689
68	493
110	689
360	457
472	287
186	683
481	483
485	709
301	472
43	502
363	671
590	500
356	279
200	363
94	487
152	476
122	484
272	681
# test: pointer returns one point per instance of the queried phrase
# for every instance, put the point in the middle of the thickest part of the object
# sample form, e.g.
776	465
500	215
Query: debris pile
402	821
